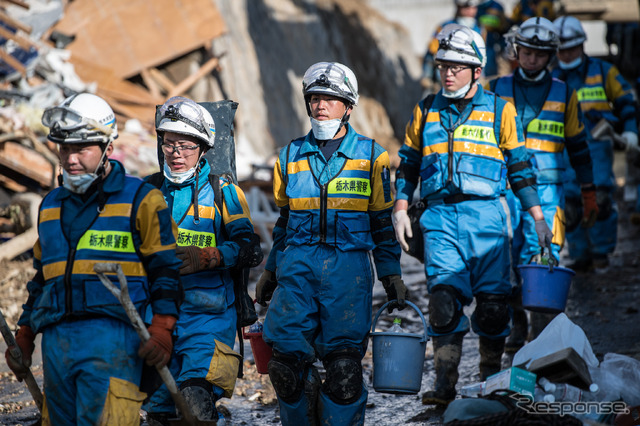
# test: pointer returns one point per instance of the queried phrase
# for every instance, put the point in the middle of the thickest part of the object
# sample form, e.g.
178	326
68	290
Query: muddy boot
447	351
490	356
520	328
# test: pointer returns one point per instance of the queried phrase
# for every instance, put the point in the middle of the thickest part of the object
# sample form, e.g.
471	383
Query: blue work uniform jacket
465	153
133	228
551	120
344	201
228	230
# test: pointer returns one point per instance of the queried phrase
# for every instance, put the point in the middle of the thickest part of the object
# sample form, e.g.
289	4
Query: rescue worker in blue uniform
210	242
460	145
334	193
604	95
550	116
92	356
466	15
494	24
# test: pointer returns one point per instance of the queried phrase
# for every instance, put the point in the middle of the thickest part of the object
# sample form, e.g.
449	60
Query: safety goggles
329	77
537	36
63	122
459	40
183	109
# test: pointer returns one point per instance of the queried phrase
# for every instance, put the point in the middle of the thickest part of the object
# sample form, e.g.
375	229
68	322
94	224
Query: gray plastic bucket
398	358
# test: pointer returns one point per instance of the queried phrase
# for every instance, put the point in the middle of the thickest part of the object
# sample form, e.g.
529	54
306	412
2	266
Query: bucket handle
424	322
553	262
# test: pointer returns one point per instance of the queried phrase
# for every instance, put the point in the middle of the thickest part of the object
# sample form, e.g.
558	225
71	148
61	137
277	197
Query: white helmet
537	33
570	32
331	78
461	45
186	117
81	118
468	3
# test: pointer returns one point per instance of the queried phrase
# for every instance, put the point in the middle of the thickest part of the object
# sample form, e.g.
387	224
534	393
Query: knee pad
286	372
343	383
445	310
572	213
492	313
198	393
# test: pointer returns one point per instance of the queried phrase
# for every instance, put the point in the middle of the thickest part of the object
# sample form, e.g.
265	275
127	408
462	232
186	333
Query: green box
514	379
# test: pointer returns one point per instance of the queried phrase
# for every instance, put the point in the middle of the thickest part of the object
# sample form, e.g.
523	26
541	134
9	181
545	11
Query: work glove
195	259
544	234
630	140
157	350
265	287
396	290
589	206
402	226
25	340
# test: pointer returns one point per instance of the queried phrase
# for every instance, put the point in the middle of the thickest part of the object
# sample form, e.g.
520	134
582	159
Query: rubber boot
490	356
520	328
447	351
539	320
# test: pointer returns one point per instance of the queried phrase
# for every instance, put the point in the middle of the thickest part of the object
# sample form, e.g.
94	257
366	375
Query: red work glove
157	350
195	259
24	338
589	206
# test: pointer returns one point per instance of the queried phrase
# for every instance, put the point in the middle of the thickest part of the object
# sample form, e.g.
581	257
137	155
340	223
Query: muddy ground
604	304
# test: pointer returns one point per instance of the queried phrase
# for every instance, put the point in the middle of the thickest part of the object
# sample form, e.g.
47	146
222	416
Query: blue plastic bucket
545	289
398	358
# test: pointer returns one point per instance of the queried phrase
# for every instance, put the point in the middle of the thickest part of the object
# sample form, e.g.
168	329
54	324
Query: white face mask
178	177
570	65
466	21
458	93
325	129
78	183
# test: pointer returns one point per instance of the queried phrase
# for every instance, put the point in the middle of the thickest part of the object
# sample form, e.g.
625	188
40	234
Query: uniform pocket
300	228
431	173
204	300
549	166
223	370
123	403
479	176
353	231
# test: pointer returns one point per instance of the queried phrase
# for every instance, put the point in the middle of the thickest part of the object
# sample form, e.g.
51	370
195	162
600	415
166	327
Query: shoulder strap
214	180
156	179
426	107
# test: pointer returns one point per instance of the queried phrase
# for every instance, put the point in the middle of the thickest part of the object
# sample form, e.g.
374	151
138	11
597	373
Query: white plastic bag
559	334
619	374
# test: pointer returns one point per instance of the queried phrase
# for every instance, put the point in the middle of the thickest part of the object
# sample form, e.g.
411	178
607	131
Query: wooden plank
25	43
151	84
26	162
13	62
134	35
186	84
18	3
14	23
162	79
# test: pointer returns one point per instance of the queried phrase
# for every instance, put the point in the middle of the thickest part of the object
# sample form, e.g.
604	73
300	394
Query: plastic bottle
473	390
564	391
396	328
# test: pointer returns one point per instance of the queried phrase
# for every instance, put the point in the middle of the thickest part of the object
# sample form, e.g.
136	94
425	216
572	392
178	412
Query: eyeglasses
184	150
455	69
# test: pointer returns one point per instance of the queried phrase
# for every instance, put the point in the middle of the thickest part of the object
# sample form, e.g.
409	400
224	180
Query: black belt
455	199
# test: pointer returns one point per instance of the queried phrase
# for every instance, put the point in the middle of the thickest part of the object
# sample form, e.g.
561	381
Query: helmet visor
329	78
65	123
185	110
